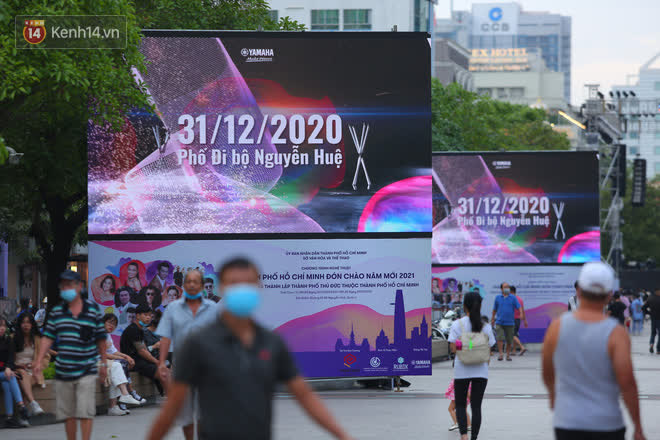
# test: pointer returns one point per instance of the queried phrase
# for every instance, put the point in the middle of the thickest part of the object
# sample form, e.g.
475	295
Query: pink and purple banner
544	290
344	307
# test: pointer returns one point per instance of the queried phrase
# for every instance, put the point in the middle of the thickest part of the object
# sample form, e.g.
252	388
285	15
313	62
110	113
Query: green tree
47	98
4	154
641	238
465	121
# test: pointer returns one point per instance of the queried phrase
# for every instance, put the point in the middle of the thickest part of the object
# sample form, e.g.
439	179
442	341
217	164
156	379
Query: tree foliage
47	98
465	121
641	239
4	154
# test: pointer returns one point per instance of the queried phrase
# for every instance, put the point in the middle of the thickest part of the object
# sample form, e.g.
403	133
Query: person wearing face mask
132	342
235	398
505	307
77	325
180	317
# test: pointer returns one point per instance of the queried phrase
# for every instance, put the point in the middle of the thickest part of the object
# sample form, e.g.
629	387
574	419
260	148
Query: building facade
451	64
518	77
641	112
355	15
507	26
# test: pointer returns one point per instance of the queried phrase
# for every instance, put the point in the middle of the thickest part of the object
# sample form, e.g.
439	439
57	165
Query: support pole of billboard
432	4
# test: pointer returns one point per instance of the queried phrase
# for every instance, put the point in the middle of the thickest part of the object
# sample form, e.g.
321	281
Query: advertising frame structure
340	236
496	207
544	289
473	249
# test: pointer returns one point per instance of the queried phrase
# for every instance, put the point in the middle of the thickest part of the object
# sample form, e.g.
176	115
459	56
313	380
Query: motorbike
440	328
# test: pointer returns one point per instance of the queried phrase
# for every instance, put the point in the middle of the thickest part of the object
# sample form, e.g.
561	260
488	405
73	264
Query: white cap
596	278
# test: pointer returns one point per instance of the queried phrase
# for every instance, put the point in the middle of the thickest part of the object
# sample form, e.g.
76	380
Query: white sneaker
116	411
453	427
34	409
129	400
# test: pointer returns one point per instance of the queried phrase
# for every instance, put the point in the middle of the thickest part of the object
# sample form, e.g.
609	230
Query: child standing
449	394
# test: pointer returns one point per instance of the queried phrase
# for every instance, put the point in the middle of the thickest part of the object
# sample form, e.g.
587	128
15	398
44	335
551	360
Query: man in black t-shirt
616	309
234	364
132	343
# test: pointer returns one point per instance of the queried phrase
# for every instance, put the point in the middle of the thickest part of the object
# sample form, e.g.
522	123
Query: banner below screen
344	307
544	290
531	208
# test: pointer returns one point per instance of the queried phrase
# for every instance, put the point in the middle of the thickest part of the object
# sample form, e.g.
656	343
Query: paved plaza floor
515	408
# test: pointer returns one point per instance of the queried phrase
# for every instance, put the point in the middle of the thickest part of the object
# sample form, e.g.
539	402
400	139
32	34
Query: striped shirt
77	338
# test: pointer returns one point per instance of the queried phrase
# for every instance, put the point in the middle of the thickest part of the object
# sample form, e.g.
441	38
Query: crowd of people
586	360
162	345
170	346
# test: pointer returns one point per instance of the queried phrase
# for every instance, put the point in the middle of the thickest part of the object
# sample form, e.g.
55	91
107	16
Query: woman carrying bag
471	340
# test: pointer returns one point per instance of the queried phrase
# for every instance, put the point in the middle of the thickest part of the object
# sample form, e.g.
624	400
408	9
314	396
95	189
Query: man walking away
77	325
505	306
518	316
652	307
637	315
617	308
235	398
587	366
180	317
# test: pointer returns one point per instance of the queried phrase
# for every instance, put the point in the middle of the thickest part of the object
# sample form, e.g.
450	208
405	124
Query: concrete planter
46	398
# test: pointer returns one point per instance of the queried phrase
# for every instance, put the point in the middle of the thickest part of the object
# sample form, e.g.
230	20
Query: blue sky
611	38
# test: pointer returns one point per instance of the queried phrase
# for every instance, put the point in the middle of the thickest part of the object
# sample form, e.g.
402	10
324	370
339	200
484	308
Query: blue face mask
68	295
241	299
143	324
189	296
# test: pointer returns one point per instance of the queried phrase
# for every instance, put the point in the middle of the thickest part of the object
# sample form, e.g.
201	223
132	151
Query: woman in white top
117	377
466	375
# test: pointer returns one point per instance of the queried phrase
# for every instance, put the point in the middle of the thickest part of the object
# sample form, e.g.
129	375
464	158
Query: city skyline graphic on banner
419	337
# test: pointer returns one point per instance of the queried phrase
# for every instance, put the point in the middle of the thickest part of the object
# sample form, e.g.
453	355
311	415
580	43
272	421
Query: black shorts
569	434
516	328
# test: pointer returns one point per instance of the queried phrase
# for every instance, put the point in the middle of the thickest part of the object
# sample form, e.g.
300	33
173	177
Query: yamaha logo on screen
259	55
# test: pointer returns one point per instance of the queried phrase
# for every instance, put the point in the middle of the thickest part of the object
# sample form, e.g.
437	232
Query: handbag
475	347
